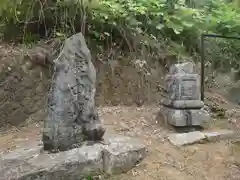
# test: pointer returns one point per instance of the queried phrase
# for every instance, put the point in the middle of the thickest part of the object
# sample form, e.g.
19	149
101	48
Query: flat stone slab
180	139
221	135
118	155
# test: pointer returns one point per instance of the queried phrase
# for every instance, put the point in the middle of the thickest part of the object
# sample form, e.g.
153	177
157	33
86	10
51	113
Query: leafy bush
130	25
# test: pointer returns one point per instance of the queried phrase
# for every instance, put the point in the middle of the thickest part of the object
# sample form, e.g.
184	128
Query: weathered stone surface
72	117
221	135
68	165
183	104
186	67
182	83
186	138
183	86
118	155
185	117
197	136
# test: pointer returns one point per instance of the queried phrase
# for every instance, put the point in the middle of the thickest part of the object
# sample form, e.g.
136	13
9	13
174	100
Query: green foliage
169	25
223	18
149	17
223	54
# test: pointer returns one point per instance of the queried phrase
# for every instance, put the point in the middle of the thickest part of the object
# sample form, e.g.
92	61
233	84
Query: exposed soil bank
25	83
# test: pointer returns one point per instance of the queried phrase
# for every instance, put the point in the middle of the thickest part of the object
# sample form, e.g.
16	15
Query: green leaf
58	34
175	27
106	33
176	31
187	24
160	26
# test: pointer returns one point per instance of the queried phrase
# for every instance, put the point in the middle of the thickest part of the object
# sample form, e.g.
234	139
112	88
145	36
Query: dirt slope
25	80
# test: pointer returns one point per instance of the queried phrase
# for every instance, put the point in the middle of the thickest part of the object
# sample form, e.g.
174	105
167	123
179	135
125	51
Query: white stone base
181	118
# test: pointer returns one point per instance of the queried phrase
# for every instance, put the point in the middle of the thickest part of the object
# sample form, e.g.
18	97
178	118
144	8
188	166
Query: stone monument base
185	117
117	155
183	104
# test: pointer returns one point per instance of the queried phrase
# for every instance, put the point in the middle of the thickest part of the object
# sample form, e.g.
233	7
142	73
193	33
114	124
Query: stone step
180	139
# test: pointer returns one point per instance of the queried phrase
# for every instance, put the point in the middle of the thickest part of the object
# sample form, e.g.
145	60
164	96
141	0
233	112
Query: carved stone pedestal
183	106
185	117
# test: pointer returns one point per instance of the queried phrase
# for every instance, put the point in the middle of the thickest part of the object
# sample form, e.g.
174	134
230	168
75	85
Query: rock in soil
221	135
180	139
186	138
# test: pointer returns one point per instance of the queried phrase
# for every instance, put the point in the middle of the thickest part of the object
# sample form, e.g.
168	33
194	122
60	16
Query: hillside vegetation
145	29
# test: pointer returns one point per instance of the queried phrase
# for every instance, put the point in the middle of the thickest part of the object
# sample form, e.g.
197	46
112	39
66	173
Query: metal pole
220	36
202	67
202	56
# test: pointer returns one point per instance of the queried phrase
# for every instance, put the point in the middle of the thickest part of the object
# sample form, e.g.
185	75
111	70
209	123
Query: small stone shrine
183	106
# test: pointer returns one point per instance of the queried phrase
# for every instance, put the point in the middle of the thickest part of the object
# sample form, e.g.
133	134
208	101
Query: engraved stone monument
71	123
183	106
72	117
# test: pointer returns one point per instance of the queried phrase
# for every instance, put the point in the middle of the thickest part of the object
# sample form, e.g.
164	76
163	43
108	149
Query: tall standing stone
183	105
72	117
